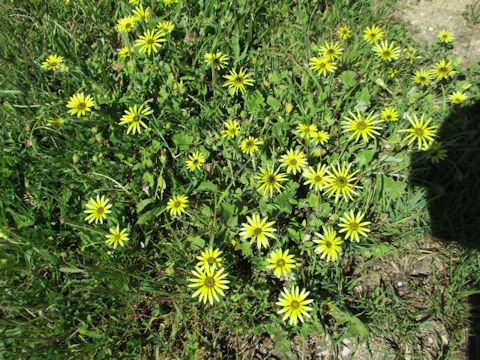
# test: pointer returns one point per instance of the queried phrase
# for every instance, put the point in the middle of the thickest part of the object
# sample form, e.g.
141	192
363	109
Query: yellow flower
116	237
445	37
422	76
389	114
436	153
170	1
236	245
443	69
322	65
281	263
360	126
249	145
393	72
134	2
209	259
195	161
270	180
258	230
294	304
294	161
126	24
353	226
321	137
133	116
306	131
56	121
458	97
150	40
329	244
237	81
331	50
165	27
141	13
372	34
316	179
232	128
177	204
53	62
420	131
124	52
217	60
79	104
97	209
340	182
210	283
344	32
386	51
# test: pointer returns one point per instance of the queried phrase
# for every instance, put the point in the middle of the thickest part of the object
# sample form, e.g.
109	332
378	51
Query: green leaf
182	140
207	186
196	242
83	330
365	157
71	270
141	205
246	249
348	78
393	188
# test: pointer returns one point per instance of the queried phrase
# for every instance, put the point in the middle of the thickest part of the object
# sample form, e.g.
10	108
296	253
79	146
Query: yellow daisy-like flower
141	13
258	230
393	72
306	130
134	2
328	244
217	60
422	76
209	259
177	204
232	128
249	145
372	34
126	23
281	263
165	27
294	161
170	1
320	137
386	51
442	69
410	54
210	283
236	245
389	114
237	81
344	32
195	161
270	180
134	117
116	237
124	52
361	127
331	50
353	226
420	132
294	305
316	179
436	153
79	104
322	65
458	97
53	62
340	182
445	37
97	209
150	40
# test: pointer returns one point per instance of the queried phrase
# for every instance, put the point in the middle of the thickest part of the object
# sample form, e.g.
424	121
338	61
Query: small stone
346	351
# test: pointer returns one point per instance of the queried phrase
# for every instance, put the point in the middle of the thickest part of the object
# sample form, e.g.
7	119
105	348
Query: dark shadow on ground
453	190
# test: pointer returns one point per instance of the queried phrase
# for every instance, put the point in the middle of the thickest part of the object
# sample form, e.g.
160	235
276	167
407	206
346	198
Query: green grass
67	295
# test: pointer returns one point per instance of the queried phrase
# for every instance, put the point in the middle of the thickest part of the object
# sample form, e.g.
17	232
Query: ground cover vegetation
181	177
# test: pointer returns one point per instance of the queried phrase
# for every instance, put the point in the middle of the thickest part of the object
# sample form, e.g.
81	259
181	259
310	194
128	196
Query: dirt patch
428	17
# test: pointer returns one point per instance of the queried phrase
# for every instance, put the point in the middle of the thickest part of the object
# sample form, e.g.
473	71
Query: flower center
419	132
317	178
136	118
422	78
211	260
322	65
443	69
177	204
100	210
216	60
150	41
257	231
353	226
389	117
249	144
209	282
195	162
341	181
238	80
331	52
81	106
280	263
271	179
295	304
387	53
128	26
293	162
361	125
328	244
117	238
